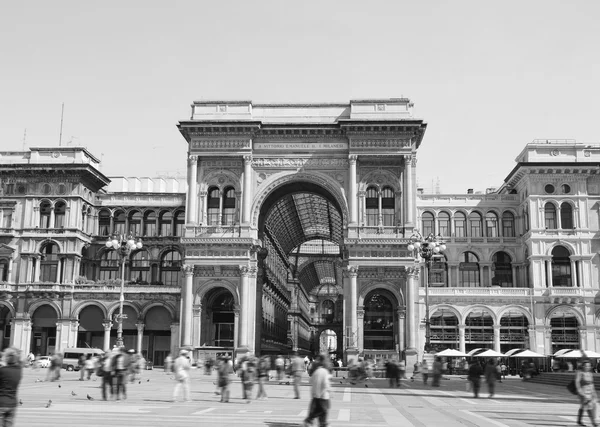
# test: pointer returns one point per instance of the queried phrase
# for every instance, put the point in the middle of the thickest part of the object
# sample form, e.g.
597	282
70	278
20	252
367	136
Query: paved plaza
368	404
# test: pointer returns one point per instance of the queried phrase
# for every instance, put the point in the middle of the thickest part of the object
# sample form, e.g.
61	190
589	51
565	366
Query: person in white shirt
181	368
320	385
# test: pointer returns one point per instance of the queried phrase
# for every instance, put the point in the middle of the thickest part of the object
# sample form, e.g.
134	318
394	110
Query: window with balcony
3	270
388	207
428	223
60	209
444	224
229	206
438	272
475	229
120	218
550	216
139	267
165	221
179	223
104	223
49	263
566	216
45	209
372	206
469	270
508	224
150	224
135	223
213	206
502	270
109	265
561	267
491	224
170	268
460	224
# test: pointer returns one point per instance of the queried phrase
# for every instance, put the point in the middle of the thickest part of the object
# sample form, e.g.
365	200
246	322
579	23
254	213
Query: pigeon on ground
214	383
366	386
49	403
341	382
20	401
148	380
90	397
139	382
59	386
288	383
73	393
343	378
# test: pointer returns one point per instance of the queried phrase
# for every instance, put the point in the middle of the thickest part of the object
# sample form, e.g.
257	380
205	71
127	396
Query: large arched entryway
301	227
156	342
43	330
380	326
91	329
564	326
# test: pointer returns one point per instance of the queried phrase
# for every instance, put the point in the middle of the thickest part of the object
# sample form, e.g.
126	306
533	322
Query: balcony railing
217	231
391	231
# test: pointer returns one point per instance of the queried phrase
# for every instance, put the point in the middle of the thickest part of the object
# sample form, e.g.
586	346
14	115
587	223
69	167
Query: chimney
469	191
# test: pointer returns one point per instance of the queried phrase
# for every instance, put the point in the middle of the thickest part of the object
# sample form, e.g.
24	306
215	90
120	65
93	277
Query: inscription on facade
308	146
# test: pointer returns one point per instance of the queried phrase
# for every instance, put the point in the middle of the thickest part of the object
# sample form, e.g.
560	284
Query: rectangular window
459	228
508	229
475	228
444	227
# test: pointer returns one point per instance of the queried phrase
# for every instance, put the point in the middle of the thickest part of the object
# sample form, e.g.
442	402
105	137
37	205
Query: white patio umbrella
512	351
560	353
475	350
449	352
528	354
490	353
578	354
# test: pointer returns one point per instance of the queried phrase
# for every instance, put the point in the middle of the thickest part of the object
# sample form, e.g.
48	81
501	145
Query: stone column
497	338
38	269
514	276
549	272
350	294
236	325
412	312
532	339
461	338
247	308
247	195
140	337
352	196
574	273
197	326
581	277
360	318
186	315
107	327
204	198
401	315
481	282
191	202
409	162
174	338
361	207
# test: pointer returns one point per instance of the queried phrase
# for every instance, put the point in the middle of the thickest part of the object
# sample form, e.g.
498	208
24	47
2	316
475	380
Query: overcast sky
487	77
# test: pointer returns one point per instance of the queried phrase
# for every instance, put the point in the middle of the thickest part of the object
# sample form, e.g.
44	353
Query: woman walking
490	376
584	383
263	374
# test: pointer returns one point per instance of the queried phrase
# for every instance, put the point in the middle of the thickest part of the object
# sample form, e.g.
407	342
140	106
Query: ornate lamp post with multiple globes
123	245
426	248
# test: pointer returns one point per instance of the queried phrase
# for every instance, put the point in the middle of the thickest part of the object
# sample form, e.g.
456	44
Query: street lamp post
123	245
426	248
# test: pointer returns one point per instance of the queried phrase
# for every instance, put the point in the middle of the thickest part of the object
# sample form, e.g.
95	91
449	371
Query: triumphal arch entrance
297	225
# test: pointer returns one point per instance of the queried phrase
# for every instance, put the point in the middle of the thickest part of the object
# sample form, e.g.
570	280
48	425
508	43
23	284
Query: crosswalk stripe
487	420
347	394
469	401
303	413
378	398
394	418
344	415
204	411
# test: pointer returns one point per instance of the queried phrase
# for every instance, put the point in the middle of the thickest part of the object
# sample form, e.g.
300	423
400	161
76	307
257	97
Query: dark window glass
119	222
491	224
469	270
59	214
561	267
135	223
213	206
170	268
566	216
378	323
179	223
550	216
388	207
428	223
459	225
372	206
502	270
150	223
166	218
508	224
229	206
444	224
104	223
45	209
475	225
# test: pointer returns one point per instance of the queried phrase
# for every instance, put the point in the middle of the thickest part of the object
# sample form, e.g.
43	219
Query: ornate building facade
291	233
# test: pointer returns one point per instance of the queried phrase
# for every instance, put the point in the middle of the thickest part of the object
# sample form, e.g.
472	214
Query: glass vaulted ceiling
307	228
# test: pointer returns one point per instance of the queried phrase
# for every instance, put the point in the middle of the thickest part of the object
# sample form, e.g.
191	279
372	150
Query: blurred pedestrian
120	369
279	366
263	377
320	393
425	371
10	377
584	383
107	373
248	375
181	368
89	366
437	369
224	372
474	377
401	371
491	374
391	373
297	368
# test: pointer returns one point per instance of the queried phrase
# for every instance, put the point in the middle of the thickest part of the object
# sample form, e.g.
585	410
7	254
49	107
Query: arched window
109	265
564	331
170	267
491	224
460	225
150	223
119	222
513	330
223	319
229	206
372	206
479	330
165	220
444	224
378	322
179	223
45	209
566	216
60	208
3	270
328	311
49	263
469	270
444	328
428	223
508	224
475	225
212	206
135	223
104	223
550	216
139	267
561	267
502	270
388	207
438	272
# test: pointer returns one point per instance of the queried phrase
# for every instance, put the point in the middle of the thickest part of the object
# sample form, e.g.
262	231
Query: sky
487	77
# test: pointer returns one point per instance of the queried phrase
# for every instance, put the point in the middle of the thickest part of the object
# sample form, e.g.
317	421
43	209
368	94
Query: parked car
72	355
44	362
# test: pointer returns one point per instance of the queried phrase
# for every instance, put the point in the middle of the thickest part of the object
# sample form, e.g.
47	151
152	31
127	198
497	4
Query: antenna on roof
62	113
24	138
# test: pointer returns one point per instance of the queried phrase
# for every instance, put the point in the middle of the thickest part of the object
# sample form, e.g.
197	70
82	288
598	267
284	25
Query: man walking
320	388
181	368
297	370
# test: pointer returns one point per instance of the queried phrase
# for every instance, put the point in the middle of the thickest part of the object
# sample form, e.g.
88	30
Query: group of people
489	371
116	367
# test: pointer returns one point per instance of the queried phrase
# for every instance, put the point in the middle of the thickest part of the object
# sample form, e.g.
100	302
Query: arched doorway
479	330
91	329
514	330
380	336
156	343
444	329
43	330
564	326
218	327
328	343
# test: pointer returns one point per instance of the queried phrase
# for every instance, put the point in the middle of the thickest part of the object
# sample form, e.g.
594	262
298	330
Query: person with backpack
120	368
263	376
106	372
248	375
584	384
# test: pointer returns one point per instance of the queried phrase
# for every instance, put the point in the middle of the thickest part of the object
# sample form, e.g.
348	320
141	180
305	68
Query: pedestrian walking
416	371
168	364
263	377
88	366
297	368
279	367
391	373
474	377
320	389
224	372
401	371
491	374
10	377
436	371
81	367
425	371
248	375
181	369
120	368
107	373
503	370
584	384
